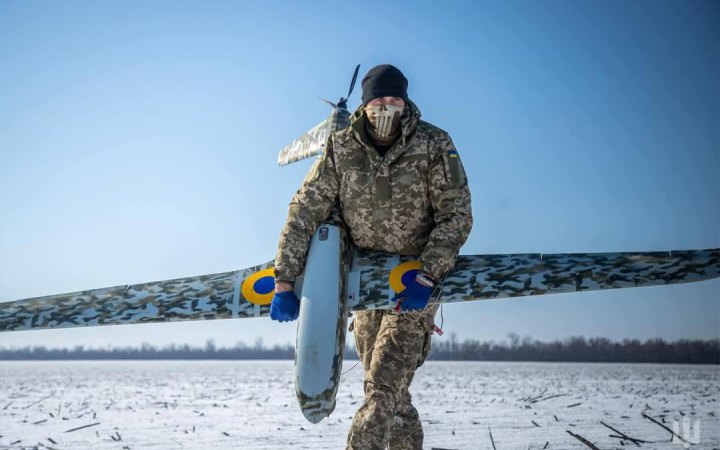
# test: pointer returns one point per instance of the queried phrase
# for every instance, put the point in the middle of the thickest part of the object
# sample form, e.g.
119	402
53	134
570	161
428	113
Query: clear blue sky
138	142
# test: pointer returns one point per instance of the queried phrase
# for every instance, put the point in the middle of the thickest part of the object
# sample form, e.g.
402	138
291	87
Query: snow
251	405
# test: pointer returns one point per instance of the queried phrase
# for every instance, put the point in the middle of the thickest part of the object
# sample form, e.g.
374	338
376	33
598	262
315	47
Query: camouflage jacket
414	201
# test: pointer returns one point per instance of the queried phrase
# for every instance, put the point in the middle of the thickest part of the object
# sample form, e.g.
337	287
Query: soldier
400	187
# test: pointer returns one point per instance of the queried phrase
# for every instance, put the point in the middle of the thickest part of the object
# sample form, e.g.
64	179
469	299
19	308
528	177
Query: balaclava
384	81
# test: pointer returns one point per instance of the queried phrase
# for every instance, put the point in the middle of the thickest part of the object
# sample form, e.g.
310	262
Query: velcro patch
457	175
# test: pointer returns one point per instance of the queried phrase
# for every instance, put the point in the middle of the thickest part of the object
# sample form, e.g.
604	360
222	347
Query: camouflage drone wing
309	144
237	294
374	277
313	142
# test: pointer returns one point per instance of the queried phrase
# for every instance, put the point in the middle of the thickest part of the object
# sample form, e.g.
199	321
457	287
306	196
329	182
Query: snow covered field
251	405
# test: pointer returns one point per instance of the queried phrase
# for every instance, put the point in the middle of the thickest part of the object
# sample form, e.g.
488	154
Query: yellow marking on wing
398	271
248	288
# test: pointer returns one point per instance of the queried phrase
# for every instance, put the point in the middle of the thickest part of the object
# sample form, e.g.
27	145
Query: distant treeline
573	349
580	349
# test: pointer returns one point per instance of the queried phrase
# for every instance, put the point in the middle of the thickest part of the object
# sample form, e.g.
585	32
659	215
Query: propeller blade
342	103
328	102
352	83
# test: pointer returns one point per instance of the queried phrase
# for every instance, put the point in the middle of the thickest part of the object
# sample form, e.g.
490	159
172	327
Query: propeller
313	142
342	103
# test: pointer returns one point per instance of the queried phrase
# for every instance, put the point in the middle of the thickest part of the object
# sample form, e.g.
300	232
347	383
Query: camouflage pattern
391	347
482	277
313	142
475	277
216	296
414	201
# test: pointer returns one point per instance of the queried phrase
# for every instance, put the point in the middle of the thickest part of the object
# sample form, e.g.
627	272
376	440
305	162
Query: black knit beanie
384	80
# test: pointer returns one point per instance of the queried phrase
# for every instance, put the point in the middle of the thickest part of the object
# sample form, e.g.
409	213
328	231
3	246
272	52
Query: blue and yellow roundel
403	274
259	287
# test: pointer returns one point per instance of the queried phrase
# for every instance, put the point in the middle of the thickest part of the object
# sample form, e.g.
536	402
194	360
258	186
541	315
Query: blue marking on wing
408	277
264	285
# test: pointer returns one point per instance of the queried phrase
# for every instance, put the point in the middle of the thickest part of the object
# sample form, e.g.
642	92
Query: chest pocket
355	178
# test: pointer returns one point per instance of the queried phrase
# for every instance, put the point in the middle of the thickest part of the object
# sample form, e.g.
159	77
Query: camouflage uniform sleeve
310	205
450	199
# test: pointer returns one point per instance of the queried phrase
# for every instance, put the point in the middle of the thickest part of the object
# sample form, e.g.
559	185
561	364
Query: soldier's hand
285	306
417	294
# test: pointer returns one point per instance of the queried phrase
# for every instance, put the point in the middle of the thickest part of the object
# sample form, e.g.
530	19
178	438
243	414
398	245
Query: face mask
385	119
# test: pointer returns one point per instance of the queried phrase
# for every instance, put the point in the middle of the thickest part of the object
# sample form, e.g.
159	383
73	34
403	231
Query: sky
138	142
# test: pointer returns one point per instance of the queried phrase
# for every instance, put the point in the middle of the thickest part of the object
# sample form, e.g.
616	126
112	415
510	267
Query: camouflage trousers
391	346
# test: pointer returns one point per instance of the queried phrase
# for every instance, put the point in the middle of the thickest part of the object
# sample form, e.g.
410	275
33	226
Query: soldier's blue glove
417	294
285	306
